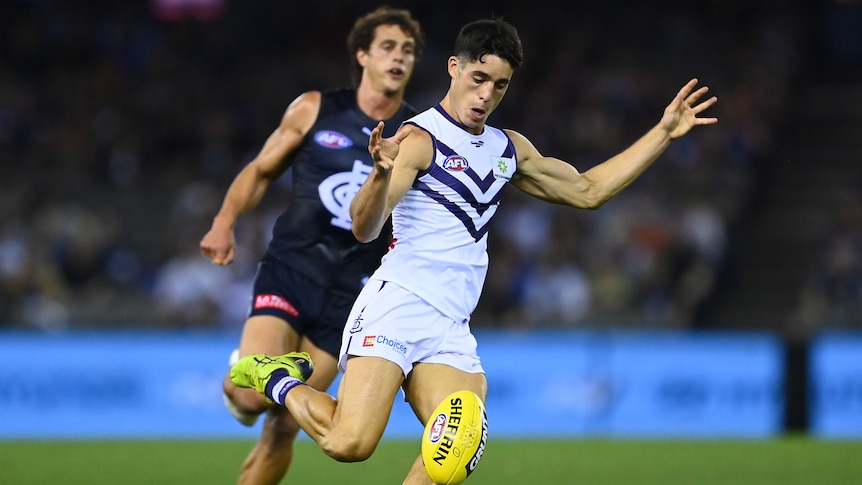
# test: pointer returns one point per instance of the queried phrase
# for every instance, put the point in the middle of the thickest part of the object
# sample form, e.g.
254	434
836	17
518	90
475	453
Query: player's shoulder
302	112
331	100
523	146
514	135
411	129
308	97
307	103
413	134
415	146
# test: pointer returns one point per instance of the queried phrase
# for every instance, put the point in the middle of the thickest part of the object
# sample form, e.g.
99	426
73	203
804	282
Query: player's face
389	61
477	88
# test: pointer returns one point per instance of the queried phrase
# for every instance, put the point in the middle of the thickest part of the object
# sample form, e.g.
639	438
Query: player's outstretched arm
556	181
249	186
680	116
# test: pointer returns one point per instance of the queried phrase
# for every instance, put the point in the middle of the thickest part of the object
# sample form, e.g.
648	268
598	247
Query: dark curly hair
362	33
489	36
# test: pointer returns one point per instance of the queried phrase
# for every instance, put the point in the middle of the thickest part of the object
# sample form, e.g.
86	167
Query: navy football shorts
312	310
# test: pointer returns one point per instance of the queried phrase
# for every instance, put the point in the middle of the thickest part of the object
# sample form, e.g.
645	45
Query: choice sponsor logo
275	301
373	340
332	139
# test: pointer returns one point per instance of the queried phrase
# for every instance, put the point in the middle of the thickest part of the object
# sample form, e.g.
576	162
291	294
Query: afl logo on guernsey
332	139
455	163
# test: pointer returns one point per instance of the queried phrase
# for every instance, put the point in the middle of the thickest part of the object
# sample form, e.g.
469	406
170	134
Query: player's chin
395	85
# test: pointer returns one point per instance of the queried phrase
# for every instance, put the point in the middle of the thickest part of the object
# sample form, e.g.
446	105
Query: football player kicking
440	178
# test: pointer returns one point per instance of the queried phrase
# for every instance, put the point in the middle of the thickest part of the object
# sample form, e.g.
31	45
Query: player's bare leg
349	429
269	460
271	456
417	474
427	386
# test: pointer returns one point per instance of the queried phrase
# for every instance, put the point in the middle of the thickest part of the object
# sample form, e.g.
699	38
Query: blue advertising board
554	384
835	384
643	384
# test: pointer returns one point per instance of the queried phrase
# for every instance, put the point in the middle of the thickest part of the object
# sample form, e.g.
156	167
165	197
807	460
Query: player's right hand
219	246
384	150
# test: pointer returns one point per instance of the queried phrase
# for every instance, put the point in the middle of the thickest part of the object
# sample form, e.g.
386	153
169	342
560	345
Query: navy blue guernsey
313	235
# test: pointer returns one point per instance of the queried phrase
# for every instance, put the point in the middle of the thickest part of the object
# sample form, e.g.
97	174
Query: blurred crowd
122	124
832	294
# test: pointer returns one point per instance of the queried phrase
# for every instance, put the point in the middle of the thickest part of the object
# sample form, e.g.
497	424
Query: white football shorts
390	322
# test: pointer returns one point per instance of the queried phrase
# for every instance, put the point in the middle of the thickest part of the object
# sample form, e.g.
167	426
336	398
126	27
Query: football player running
314	267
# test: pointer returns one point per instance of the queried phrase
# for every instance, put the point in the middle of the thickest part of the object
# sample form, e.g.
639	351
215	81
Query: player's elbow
364	234
363	238
590	195
588	199
363	226
593	203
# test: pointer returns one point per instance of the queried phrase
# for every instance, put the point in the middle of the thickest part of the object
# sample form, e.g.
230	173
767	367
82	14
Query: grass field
789	461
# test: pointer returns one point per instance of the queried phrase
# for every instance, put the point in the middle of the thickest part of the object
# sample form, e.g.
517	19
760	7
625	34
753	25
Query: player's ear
361	57
453	66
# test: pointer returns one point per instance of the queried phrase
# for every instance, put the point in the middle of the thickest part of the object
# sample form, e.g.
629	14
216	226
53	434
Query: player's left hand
681	114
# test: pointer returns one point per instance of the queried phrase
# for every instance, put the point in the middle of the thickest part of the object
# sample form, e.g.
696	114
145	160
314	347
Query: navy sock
278	384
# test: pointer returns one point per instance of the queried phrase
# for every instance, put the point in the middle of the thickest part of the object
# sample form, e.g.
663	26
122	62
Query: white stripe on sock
277	388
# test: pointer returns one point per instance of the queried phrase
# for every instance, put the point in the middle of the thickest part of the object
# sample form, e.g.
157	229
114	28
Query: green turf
791	461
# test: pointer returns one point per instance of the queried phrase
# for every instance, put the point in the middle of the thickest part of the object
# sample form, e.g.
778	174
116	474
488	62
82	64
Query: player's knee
347	448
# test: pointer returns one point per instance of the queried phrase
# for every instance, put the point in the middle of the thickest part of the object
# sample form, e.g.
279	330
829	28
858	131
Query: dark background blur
122	124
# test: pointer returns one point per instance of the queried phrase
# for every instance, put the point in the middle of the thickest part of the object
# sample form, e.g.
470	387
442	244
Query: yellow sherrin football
455	438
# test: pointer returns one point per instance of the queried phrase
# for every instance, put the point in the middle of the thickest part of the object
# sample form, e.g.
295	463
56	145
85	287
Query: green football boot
254	370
